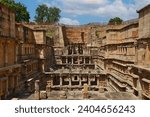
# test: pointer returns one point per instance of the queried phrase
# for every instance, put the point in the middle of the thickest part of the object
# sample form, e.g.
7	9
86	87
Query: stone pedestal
101	90
63	96
43	95
37	90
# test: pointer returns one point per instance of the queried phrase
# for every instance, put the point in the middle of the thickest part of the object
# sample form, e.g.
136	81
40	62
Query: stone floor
77	95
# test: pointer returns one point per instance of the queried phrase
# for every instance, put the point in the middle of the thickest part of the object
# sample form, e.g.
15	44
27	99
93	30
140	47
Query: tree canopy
45	14
115	20
22	15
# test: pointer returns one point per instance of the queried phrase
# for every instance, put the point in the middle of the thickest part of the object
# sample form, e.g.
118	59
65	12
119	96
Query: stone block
43	95
48	89
37	95
101	90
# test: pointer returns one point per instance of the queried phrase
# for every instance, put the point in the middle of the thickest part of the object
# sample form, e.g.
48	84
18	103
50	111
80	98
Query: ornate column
85	91
6	87
90	60
147	54
5	53
0	89
37	90
80	80
139	87
66	60
72	60
60	80
98	81
70	81
84	60
48	87
78	60
136	53
89	80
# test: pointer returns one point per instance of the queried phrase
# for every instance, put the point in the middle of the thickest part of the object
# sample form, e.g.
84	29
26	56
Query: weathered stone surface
75	62
43	95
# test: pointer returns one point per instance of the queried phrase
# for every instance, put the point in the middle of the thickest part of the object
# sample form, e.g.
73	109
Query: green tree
22	15
9	3
45	14
115	20
53	14
41	13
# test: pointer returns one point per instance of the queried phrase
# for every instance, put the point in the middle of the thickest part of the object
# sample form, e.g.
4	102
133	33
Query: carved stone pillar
84	60
5	53
60	80
90	60
147	54
80	84
48	87
78	60
139	87
37	90
136	53
0	89
89	80
6	87
66	60
70	81
98	81
72	60
85	91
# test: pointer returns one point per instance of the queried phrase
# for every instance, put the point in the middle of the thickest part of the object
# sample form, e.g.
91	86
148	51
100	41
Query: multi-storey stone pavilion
41	61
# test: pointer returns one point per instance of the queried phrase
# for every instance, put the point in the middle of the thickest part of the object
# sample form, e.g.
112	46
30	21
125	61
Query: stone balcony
122	57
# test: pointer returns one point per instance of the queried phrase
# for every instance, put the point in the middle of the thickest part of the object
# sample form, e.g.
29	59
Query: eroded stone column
48	86
89	80
147	58
101	86
70	81
80	80
85	91
66	60
97	81
37	90
0	89
72	60
60	80
78	60
84	60
139	87
90	60
6	87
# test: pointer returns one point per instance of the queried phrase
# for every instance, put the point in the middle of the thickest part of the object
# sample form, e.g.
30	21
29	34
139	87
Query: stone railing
121	57
125	76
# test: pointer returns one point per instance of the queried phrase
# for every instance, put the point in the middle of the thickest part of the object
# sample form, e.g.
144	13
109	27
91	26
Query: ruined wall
77	34
11	53
2	60
120	42
8	53
144	22
7	22
143	48
39	37
9	69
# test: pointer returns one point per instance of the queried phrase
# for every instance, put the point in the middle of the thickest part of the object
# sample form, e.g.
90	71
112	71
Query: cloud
84	1
100	8
103	8
68	21
117	8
